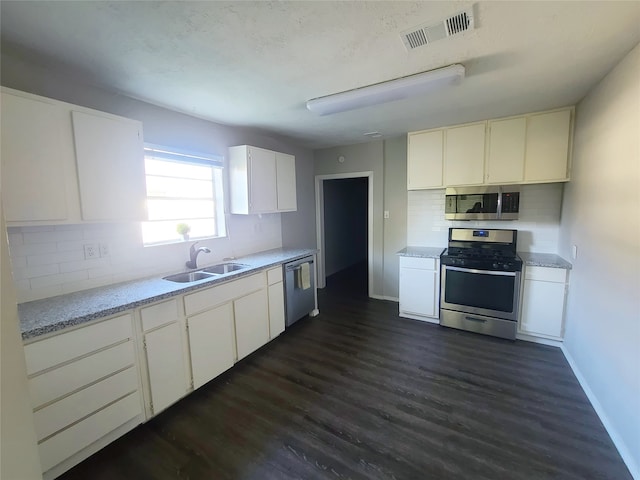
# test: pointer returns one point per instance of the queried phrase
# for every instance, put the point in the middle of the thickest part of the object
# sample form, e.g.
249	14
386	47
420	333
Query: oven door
481	292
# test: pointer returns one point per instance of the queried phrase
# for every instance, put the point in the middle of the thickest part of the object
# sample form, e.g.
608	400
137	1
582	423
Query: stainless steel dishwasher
299	284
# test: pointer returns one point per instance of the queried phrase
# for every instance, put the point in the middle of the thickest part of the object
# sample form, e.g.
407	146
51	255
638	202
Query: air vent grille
426	34
457	23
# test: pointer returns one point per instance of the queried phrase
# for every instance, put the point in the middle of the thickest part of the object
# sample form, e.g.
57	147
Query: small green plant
183	229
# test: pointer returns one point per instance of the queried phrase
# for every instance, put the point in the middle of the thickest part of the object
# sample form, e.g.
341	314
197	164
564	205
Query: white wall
362	157
395	202
50	261
538	222
601	215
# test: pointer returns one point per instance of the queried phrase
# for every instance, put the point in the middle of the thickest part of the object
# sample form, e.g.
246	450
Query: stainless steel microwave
499	202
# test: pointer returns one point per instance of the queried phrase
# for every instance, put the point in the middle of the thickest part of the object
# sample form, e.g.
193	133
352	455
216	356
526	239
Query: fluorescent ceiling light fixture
384	92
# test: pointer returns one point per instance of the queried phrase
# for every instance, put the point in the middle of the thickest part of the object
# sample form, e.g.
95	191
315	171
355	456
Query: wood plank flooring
359	393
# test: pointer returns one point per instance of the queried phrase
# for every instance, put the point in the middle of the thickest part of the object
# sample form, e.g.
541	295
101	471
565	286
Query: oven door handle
485	272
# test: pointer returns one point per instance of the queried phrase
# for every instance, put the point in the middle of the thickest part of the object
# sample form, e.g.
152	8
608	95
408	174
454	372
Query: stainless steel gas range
480	281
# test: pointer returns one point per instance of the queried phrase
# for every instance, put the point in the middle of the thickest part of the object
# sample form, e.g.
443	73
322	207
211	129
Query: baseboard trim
418	317
624	452
383	297
540	340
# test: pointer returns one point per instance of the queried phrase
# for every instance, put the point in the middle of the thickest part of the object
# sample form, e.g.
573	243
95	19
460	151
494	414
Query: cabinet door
36	146
110	159
424	160
276	309
505	163
211	343
263	196
252	322
418	291
286	182
464	155
542	308
547	147
165	359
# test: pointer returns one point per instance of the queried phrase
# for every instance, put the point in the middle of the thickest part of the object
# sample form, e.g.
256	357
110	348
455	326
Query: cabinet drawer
73	376
57	416
159	314
546	274
53	351
75	438
274	275
417	262
211	297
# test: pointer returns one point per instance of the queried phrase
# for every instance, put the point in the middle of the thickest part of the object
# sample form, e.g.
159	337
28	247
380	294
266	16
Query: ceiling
257	63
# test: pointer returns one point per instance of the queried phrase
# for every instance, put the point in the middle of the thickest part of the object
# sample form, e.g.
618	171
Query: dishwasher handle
296	265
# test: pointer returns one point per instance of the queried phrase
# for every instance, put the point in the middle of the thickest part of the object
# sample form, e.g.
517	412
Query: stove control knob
495	265
505	266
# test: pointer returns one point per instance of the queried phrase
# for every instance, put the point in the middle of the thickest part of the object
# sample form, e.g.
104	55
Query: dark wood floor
359	393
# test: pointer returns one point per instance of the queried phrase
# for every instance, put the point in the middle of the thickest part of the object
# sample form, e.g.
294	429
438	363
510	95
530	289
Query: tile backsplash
538	224
50	260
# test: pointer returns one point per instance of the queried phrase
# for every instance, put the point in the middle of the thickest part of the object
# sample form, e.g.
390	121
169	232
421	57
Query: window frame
189	157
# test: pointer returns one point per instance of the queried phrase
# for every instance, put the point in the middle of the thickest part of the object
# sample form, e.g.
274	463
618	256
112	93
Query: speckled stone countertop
544	260
52	314
422	252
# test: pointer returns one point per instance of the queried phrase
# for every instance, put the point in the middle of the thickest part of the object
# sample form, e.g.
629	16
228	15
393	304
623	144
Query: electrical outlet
104	249
386	214
91	251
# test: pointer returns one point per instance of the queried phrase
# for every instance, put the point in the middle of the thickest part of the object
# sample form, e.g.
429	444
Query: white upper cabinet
261	181
532	148
286	182
424	160
547	148
66	164
110	158
505	157
464	155
37	149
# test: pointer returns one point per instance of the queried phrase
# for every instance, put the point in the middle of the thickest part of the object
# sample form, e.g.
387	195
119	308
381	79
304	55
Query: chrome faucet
193	253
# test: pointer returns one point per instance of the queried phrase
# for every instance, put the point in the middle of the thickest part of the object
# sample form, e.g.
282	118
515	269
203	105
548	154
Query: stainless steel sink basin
207	272
189	277
223	268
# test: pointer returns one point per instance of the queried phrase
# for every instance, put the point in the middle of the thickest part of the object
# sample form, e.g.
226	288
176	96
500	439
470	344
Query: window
184	196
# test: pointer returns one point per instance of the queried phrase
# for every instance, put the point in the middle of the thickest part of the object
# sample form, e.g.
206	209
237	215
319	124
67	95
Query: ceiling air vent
426	34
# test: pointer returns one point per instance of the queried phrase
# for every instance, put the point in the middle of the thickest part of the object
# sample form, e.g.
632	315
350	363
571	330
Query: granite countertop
544	260
421	252
52	314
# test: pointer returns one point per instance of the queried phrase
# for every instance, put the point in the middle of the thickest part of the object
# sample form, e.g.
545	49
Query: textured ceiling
256	63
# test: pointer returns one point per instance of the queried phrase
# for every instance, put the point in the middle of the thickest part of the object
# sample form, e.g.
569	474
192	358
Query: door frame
320	223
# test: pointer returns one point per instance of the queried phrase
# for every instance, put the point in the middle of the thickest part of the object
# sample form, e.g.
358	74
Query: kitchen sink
189	277
223	268
207	272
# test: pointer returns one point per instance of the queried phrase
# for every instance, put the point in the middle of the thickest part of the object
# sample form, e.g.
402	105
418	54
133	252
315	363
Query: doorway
344	220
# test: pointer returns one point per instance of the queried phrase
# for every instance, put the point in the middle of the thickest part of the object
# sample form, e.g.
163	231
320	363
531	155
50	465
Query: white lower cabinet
276	302
85	390
211	340
90	385
165	364
252	322
164	355
420	288
543	302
